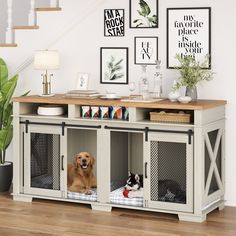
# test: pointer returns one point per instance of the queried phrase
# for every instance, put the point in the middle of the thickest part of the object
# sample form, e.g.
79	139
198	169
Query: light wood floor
46	218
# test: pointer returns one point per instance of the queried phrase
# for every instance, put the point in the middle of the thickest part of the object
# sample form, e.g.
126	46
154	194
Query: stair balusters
54	3
9	31
32	13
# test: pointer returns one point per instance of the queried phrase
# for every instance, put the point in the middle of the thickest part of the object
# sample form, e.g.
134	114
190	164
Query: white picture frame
188	34
82	81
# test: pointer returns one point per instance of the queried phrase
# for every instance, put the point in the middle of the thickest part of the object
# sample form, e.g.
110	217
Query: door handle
62	162
146	170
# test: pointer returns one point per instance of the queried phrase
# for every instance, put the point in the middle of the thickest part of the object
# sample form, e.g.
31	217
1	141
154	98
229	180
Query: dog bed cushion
84	197
117	197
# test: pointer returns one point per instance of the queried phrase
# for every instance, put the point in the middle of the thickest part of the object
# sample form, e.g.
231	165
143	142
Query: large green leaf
8	90
7	115
3	73
145	9
5	137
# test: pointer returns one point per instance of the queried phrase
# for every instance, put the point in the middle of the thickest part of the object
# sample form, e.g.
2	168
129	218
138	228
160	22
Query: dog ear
75	161
129	173
137	178
92	158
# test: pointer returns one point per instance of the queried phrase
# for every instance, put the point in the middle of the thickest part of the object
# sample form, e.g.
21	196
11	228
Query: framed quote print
145	50
114	22
143	13
114	65
188	34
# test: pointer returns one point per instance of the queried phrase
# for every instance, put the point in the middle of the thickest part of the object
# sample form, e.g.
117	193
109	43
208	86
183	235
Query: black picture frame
138	21
191	39
114	22
145	50
118	57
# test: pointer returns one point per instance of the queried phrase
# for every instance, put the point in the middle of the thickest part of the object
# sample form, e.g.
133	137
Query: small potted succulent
192	72
7	88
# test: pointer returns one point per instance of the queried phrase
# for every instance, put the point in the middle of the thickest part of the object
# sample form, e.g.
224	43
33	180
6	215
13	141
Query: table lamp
46	60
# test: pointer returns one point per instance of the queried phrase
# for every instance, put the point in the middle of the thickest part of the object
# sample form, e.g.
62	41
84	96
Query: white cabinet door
44	161
168	167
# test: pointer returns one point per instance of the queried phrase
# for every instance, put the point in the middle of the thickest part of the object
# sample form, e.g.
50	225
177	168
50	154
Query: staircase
42	25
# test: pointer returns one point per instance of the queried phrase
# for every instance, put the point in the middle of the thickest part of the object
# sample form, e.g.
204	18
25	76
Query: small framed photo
188	34
113	65
143	13
82	81
146	50
114	22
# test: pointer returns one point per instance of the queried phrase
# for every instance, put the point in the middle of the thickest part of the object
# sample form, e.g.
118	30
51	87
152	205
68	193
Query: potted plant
7	88
191	73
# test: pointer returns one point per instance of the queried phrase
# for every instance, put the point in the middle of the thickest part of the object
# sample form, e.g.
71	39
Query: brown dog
80	177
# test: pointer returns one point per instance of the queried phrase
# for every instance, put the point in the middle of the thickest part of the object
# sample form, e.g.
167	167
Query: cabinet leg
192	218
221	206
99	207
22	198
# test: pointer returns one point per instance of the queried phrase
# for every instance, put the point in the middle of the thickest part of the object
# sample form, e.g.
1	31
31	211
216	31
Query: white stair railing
54	3
9	31
32	13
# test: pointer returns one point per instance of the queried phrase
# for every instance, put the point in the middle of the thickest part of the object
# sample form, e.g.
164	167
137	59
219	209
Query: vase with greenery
146	18
192	72
7	88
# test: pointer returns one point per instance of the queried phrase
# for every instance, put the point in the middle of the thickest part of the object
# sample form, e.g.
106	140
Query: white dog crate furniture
182	163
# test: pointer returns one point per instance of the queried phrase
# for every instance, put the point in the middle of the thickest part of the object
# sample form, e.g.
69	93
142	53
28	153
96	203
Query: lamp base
47	95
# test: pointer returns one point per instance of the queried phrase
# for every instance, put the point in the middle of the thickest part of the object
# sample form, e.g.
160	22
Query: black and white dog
134	185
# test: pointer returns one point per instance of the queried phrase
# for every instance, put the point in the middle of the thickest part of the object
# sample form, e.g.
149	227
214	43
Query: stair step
25	27
8	45
48	9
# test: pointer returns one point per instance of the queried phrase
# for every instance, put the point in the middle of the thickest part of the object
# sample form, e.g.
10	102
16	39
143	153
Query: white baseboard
230	203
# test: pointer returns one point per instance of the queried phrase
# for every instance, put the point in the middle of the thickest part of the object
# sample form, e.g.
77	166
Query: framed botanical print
145	50
114	65
114	22
188	34
143	13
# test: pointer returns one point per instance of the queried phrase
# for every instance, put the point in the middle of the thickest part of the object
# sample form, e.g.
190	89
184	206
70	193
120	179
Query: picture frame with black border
114	63
114	22
188	33
145	50
145	15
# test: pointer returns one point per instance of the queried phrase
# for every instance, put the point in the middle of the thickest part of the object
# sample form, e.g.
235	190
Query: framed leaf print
143	13
114	65
188	34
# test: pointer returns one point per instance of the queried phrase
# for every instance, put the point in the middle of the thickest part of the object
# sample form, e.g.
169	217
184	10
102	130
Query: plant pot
6	174
191	92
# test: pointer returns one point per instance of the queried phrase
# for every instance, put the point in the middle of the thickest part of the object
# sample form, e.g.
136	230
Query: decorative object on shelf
82	81
114	22
83	94
114	65
188	34
143	14
7	88
50	110
146	50
157	83
46	60
191	73
174	94
143	83
184	99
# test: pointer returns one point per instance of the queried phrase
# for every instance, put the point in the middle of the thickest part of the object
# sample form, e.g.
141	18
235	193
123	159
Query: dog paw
89	192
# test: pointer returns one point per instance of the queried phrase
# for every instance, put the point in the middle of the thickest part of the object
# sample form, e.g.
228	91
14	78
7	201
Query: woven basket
170	117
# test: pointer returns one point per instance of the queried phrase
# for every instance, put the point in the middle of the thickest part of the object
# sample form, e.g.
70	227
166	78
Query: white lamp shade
46	60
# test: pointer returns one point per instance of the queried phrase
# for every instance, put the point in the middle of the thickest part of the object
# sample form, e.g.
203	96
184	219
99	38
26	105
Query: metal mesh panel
168	172
45	161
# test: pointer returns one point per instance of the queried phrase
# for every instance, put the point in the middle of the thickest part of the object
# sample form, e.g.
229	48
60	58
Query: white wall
79	52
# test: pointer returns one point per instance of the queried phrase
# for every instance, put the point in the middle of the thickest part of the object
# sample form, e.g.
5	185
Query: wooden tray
170	117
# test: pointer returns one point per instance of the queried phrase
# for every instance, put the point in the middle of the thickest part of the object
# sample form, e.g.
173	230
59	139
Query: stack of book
88	94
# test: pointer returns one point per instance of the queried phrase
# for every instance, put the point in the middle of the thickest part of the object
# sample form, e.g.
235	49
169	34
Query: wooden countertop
164	104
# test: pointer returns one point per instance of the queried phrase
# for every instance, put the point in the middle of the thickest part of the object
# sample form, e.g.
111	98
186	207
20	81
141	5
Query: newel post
9	31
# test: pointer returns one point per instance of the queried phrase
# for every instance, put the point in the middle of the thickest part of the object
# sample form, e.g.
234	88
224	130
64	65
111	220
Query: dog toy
126	193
